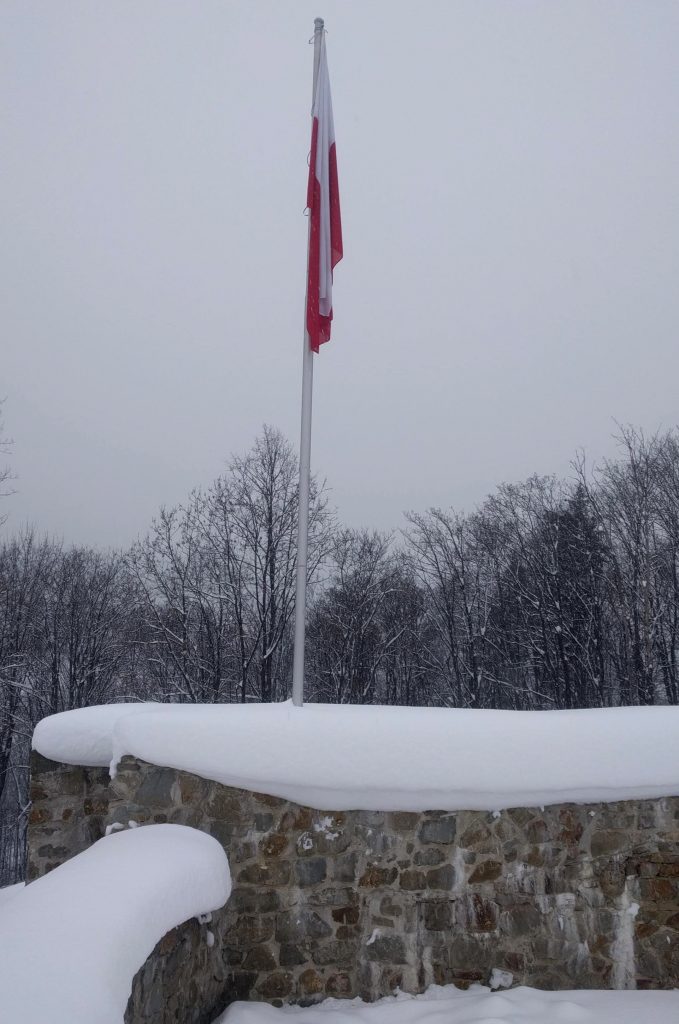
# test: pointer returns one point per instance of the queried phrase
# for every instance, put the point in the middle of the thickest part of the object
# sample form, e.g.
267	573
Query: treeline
552	594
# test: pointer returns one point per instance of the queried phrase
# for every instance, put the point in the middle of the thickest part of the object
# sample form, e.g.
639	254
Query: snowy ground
477	1006
388	758
73	940
8	892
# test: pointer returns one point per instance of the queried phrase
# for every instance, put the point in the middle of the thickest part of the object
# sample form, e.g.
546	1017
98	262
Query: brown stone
475	834
403	821
224	804
486	871
537	831
515	962
276	985
249	931
346	915
169	942
642	929
192	789
273	845
660	889
479	915
571	828
339	985
310	982
535	858
374	877
668	869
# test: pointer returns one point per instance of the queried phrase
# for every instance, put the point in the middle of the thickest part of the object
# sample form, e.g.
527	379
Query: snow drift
343	757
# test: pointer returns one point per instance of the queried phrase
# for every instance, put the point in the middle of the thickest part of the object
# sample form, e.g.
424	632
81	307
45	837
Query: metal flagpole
304	461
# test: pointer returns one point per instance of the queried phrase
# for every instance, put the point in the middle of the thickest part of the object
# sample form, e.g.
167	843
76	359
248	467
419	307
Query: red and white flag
325	234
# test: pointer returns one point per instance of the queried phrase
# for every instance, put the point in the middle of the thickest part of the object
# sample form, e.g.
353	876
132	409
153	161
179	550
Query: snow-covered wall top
391	758
73	940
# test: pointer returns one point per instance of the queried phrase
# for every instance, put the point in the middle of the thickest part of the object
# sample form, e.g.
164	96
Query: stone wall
68	812
359	903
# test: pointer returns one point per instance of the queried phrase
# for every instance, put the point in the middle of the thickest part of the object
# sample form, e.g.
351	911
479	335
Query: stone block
159	788
486	871
429	857
387	949
375	877
339	985
260	959
335	953
273	845
413	880
441	878
438	916
291	955
440	830
276	872
294	927
310	981
311	872
250	931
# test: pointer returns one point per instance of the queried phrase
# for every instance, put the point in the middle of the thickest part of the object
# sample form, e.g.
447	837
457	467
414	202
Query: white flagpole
304	462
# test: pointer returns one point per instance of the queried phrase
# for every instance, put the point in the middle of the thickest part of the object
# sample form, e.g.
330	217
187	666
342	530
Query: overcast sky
509	176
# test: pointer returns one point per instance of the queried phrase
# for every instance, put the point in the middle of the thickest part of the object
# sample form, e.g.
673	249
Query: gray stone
156	789
298	926
387	949
441	830
311	872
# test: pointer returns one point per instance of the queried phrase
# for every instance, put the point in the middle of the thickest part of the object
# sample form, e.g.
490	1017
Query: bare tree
218	578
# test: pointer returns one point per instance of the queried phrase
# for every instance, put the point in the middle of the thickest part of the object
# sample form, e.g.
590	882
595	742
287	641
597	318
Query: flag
325	233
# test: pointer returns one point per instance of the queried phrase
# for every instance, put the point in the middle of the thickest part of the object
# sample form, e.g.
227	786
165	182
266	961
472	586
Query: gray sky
509	179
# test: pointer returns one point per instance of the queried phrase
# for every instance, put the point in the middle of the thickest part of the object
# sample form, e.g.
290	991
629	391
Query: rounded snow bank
388	758
73	940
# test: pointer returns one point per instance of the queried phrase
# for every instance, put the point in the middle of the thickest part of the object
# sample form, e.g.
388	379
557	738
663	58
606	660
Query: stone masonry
329	903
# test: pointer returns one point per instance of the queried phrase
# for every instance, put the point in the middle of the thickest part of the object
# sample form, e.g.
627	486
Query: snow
478	1005
73	940
344	757
8	892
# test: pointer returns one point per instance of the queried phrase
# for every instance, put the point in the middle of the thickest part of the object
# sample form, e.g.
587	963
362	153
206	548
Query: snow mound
73	940
478	1005
343	757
